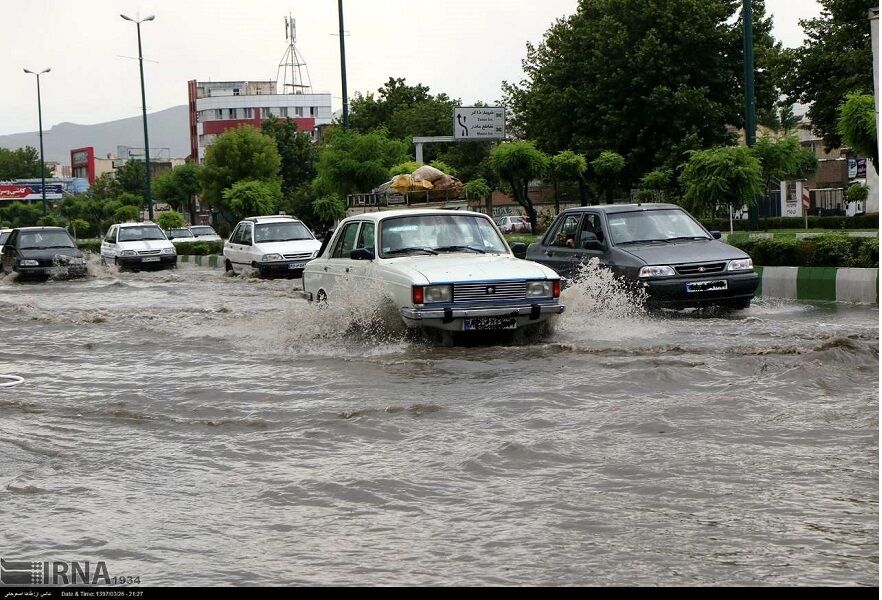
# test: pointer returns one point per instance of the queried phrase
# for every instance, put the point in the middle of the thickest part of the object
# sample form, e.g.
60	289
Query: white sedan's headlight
128	253
27	262
168	251
438	293
538	289
742	264
271	257
657	271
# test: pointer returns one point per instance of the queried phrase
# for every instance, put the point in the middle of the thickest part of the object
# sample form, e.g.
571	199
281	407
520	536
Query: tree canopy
517	163
22	163
857	126
251	197
648	80
238	155
836	58
353	162
721	176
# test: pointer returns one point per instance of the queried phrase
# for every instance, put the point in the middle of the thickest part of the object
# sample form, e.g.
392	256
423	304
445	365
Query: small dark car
42	252
659	247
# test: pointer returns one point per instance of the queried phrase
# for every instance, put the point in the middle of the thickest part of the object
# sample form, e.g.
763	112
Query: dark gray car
42	252
659	247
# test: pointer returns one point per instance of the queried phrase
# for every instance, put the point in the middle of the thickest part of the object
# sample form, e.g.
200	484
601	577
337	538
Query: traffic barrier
211	261
835	284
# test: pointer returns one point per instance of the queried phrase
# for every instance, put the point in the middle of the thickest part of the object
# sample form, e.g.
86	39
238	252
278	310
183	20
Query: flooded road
196	429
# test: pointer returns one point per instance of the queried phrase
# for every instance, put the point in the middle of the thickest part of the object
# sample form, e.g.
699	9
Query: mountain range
167	128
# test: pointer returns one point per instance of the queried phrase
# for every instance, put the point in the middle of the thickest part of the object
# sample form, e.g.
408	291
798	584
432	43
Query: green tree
725	176
131	199
351	162
329	209
179	187
836	57
857	126
856	193
132	177
253	198
22	163
405	168
238	155
126	213
105	187
568	166
80	228
781	159
517	163
648	80
656	186
608	168
479	189
170	219
21	214
297	152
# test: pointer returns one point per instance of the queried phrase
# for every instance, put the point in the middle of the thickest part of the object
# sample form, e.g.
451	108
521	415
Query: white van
138	246
273	245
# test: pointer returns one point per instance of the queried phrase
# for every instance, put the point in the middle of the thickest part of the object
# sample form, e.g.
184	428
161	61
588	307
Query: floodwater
195	429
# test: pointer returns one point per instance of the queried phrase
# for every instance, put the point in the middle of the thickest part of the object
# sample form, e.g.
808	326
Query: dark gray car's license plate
707	286
489	323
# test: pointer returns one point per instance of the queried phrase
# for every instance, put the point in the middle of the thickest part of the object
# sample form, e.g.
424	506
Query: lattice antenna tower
293	73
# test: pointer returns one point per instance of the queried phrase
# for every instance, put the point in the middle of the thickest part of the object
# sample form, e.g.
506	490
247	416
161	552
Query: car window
590	224
52	238
366	236
346	243
111	235
13	239
140	233
236	236
281	232
654	225
565	234
245	235
3	237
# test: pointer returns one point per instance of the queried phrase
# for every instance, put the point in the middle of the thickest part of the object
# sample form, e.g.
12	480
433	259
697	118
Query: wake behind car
42	252
138	246
447	270
271	245
659	247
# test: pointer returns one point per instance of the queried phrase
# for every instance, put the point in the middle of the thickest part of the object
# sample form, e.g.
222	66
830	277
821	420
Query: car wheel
228	266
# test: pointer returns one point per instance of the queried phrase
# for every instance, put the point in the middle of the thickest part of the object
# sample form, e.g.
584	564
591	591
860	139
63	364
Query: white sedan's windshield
654	225
433	234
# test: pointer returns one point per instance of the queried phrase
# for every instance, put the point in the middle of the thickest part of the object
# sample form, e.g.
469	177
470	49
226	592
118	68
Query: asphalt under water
192	428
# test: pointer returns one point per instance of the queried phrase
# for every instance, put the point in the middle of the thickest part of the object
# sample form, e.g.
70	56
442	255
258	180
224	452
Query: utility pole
40	119
343	66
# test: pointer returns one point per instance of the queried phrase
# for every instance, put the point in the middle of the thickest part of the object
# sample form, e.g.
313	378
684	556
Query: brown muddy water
191	428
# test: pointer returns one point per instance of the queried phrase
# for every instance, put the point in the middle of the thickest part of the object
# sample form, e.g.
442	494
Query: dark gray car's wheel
228	266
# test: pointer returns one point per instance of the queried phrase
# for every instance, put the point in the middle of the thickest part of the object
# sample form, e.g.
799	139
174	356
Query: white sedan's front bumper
450	318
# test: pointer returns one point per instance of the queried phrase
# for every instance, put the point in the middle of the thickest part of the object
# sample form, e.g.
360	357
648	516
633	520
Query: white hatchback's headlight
438	293
128	253
168	251
742	264
538	289
657	271
271	257
27	262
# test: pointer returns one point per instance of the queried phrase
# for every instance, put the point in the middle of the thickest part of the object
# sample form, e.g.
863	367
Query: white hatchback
138	246
448	270
275	245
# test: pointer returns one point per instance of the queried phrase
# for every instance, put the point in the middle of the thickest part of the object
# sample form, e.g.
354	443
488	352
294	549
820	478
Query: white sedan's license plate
296	265
150	259
707	286
489	323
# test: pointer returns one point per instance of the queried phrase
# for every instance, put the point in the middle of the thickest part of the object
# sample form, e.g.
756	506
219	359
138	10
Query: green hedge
828	250
189	248
870	221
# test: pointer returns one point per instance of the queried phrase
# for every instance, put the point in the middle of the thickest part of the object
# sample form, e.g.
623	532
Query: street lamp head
126	18
150	18
46	70
27	71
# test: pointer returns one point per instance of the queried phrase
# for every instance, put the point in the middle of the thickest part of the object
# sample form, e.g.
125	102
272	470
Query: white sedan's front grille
489	292
148	252
298	256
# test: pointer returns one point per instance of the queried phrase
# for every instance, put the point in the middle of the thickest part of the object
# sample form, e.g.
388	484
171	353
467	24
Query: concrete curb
211	261
833	284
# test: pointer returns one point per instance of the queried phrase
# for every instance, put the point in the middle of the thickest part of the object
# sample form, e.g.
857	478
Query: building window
248	112
312	111
220	114
235	91
283	111
234	113
257	92
298	111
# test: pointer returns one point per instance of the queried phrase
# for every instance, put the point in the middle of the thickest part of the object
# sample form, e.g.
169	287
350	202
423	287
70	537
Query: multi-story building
85	164
216	106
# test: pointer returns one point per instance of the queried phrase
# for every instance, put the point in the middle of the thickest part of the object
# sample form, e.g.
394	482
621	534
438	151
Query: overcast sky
462	47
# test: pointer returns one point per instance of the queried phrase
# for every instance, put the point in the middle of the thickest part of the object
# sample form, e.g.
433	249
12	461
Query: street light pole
343	66
40	120
147	191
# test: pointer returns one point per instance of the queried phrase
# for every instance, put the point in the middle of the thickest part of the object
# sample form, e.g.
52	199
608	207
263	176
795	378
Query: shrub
80	227
829	250
170	220
89	245
126	213
199	248
868	221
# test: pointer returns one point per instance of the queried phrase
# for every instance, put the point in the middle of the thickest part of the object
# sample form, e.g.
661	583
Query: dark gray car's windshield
281	232
654	226
136	234
434	234
45	239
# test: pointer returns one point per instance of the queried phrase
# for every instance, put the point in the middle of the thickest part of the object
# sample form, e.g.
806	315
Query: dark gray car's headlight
742	264
28	262
657	271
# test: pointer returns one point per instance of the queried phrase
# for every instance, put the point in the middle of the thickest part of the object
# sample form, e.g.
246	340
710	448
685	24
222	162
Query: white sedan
448	270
